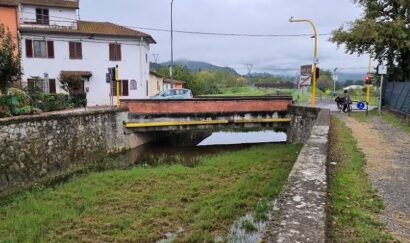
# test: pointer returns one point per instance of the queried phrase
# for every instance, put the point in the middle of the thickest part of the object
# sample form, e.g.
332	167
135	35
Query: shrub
79	100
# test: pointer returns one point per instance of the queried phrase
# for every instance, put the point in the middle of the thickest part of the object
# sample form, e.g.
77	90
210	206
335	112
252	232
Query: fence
397	96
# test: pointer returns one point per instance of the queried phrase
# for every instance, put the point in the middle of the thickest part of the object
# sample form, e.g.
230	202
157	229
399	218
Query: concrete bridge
167	115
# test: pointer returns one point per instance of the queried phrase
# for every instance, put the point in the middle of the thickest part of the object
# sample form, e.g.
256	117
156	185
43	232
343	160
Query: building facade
156	83
55	42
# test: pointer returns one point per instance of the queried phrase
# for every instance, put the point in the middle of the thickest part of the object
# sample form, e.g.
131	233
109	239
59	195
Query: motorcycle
342	105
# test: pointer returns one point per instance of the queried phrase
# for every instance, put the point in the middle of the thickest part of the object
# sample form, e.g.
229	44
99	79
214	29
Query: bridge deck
217	105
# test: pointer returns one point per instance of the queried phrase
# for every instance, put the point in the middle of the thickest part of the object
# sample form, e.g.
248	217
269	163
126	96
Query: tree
325	80
10	69
383	31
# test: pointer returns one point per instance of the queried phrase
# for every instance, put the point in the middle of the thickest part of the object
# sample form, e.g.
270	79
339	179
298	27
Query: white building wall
95	59
63	17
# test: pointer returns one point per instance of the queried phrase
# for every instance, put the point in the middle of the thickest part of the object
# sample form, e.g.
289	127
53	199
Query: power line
65	19
223	34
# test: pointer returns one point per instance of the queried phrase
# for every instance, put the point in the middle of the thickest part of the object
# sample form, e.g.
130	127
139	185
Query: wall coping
57	115
300	215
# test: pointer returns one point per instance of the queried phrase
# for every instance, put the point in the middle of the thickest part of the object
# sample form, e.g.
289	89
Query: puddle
247	229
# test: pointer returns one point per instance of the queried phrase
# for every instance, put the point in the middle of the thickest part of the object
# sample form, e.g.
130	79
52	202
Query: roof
8	3
47	3
156	74
78	73
174	81
91	29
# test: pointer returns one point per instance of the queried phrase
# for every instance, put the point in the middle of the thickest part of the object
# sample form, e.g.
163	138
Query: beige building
174	84
156	83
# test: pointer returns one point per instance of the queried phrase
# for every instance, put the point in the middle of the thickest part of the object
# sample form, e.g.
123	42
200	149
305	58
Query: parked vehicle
174	94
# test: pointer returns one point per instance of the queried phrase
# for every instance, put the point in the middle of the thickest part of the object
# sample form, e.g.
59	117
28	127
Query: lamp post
315	59
334	82
172	45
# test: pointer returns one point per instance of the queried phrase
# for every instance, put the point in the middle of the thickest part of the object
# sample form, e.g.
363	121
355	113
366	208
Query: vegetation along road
381	160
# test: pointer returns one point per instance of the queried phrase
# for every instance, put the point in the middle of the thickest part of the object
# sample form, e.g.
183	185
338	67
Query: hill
196	66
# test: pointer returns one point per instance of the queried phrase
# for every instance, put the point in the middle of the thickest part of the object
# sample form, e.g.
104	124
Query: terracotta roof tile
92	29
53	3
9	2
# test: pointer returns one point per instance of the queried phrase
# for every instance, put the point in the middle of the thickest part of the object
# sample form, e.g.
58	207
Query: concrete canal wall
38	148
301	207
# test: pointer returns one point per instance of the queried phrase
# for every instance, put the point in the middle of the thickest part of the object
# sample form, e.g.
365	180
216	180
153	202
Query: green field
353	204
144	203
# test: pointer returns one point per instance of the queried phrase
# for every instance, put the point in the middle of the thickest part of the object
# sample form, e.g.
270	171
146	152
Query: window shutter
71	49
125	88
119	53
111	52
52	86
30	84
50	49
79	50
29	48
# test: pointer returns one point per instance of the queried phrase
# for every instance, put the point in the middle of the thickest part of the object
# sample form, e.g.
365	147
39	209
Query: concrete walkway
387	152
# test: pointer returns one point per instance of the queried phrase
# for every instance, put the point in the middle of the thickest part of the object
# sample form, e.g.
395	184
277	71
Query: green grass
246	91
353	204
142	204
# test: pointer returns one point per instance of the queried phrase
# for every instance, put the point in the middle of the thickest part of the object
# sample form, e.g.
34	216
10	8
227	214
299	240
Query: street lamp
172	46
315	59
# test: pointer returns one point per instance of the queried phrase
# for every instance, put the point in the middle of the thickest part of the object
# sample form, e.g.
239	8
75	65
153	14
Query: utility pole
334	81
368	84
155	56
172	44
249	67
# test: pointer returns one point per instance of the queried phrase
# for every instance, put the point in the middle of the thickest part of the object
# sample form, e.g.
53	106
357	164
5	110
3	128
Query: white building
54	40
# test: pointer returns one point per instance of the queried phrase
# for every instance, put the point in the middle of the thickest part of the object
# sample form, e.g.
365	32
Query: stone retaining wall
301	207
38	148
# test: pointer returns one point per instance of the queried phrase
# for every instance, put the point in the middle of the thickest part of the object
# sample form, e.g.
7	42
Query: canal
187	148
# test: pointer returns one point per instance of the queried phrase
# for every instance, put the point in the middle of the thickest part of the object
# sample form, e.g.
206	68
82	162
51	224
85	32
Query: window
35	85
75	50
115	52
133	85
39	48
42	16
123	88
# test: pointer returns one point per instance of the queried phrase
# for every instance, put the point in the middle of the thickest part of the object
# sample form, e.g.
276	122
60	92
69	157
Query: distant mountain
342	77
197	66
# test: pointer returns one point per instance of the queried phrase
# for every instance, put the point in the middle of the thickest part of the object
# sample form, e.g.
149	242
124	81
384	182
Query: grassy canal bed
143	204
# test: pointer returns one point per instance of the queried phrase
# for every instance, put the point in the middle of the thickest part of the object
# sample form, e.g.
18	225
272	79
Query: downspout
141	77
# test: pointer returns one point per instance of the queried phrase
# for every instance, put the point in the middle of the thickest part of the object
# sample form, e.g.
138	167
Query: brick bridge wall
37	149
208	106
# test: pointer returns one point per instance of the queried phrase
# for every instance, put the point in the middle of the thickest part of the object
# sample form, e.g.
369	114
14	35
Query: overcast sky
237	16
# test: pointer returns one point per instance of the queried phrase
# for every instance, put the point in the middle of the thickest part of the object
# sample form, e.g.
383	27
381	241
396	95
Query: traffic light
112	74
317	72
368	79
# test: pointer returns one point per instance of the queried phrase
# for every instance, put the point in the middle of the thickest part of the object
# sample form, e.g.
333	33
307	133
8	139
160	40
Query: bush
5	105
52	102
79	100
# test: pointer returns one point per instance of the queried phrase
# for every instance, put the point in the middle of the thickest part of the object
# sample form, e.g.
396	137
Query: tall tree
383	31
9	59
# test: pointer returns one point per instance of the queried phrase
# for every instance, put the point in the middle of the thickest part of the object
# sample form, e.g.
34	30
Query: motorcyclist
347	100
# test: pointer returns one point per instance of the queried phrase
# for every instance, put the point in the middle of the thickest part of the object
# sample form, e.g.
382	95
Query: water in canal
188	152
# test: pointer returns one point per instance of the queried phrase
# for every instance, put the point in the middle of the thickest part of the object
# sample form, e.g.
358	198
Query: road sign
305	80
382	70
305	75
361	105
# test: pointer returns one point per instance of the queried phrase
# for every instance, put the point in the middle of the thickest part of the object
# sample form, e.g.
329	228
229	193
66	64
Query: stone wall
302	121
35	149
301	207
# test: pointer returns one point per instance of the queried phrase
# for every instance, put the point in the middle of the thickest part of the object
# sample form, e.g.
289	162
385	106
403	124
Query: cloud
236	16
